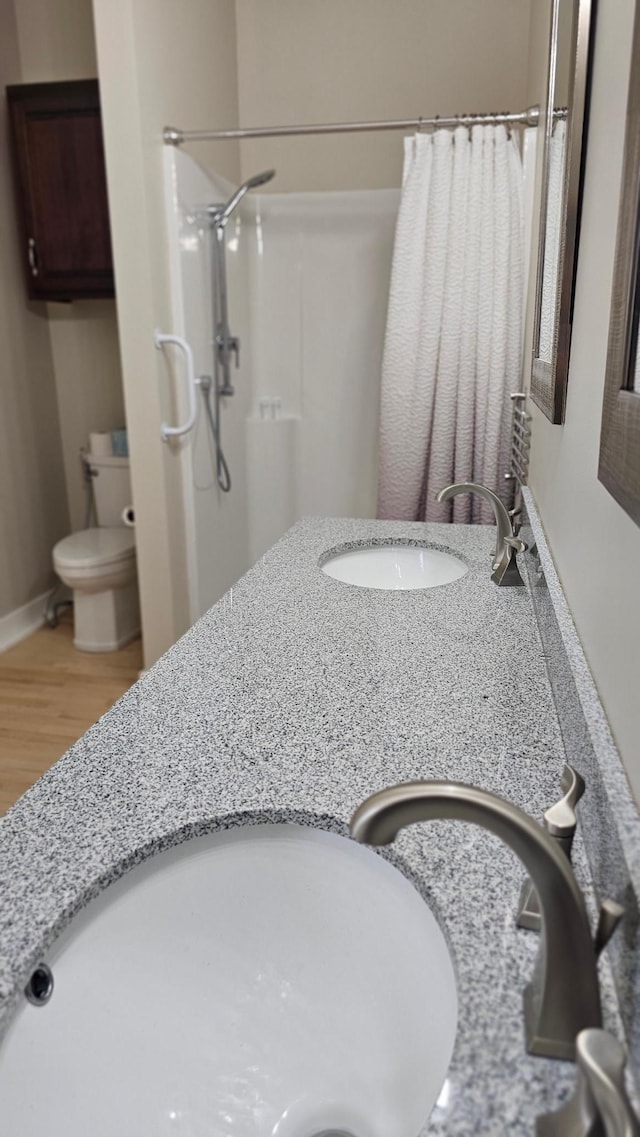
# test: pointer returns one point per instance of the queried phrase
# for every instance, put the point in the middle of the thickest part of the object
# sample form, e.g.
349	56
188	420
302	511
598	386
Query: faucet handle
609	917
505	567
572	783
600	1106
234	346
601	1060
560	819
560	822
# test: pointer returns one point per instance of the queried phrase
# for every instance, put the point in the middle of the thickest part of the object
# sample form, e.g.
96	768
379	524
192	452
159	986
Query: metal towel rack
520	441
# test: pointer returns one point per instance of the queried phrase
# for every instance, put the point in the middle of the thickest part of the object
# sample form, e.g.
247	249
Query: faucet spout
505	569
563	997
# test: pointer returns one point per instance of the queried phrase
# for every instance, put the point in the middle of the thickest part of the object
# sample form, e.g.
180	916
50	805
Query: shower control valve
228	344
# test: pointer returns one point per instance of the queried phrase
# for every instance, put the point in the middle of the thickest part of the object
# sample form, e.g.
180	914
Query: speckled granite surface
294	698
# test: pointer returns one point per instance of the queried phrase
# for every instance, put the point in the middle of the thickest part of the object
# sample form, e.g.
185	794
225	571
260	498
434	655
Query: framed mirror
619	466
565	122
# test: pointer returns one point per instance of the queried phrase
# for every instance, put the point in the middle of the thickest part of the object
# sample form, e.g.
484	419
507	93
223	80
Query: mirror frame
549	380
619	465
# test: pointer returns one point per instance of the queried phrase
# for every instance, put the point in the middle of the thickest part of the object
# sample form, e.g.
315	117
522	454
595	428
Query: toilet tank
111	488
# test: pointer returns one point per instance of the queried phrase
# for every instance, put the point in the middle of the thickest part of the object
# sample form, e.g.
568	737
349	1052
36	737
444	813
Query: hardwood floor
49	695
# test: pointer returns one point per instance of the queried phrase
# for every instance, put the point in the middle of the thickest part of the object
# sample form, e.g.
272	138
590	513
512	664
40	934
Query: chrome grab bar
167	432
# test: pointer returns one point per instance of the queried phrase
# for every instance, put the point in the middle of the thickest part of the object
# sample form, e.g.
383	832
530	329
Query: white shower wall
319	269
215	524
308	285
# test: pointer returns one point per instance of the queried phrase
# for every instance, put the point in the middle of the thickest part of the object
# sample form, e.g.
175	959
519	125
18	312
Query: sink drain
39	989
332	1133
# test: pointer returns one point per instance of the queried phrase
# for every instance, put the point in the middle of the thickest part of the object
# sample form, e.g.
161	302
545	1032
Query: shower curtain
453	347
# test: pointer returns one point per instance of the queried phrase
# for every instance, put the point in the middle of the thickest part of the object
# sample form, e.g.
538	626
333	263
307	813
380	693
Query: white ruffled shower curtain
453	347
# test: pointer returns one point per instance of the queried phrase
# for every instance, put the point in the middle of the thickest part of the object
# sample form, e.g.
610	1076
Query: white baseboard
20	623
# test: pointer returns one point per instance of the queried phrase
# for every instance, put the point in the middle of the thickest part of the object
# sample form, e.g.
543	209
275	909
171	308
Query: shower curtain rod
174	137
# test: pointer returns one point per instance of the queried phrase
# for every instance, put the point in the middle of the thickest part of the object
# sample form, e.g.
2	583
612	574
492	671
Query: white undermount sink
268	981
400	566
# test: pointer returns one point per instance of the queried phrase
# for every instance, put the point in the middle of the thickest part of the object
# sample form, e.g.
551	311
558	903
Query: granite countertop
294	698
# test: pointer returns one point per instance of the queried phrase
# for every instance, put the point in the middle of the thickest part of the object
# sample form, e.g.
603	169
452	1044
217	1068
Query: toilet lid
95	548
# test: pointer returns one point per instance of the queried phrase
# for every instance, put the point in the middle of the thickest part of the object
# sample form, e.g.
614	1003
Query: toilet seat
95	549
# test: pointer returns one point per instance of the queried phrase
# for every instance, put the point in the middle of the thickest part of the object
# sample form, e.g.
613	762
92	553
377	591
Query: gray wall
56	42
335	60
60	373
596	546
33	500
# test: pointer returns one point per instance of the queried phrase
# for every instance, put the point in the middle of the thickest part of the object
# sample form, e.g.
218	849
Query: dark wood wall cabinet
62	189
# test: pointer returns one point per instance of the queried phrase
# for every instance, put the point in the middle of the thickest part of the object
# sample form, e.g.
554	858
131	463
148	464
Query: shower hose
223	477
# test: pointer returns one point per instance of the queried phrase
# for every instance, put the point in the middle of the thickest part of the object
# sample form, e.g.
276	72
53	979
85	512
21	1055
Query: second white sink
396	567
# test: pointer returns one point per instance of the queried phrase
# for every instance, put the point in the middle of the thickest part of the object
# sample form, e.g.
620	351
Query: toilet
99	565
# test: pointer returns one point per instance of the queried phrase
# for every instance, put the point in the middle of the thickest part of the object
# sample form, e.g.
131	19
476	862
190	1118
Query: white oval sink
270	981
394	567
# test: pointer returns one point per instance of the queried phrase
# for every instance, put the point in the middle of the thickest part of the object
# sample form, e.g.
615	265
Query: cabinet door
62	189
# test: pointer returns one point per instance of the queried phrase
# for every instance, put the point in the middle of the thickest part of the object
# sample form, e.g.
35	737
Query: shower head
259	179
222	213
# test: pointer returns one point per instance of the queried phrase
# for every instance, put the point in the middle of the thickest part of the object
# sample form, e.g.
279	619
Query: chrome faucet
563	997
505	570
600	1106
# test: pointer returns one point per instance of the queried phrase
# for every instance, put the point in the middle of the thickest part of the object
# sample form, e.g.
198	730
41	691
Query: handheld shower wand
221	213
224	343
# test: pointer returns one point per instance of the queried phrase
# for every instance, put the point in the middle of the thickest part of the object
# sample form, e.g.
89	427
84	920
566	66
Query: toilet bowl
99	564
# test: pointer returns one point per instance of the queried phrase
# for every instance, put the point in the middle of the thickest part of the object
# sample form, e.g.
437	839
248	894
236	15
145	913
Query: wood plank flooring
49	695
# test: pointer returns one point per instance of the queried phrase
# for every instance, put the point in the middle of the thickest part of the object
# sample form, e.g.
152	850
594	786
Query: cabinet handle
33	256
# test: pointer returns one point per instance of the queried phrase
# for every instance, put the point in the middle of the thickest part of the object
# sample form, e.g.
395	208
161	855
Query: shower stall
306	279
288	411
